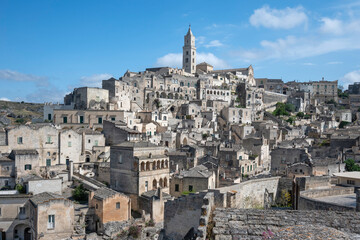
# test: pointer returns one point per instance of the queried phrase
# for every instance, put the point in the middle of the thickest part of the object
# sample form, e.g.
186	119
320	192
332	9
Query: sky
48	48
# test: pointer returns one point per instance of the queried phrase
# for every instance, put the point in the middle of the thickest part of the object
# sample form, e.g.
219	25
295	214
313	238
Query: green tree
289	107
343	124
80	193
281	110
300	114
351	166
291	120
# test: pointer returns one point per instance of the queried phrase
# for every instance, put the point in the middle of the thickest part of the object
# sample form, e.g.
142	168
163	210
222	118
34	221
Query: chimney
159	193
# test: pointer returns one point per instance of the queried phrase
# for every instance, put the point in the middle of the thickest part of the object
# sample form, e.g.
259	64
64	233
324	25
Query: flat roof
348	175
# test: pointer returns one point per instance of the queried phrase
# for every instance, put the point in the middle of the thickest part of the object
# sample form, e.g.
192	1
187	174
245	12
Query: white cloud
339	27
170	60
333	26
278	18
214	43
4	99
19	77
94	80
296	48
175	60
334	63
200	40
309	64
350	78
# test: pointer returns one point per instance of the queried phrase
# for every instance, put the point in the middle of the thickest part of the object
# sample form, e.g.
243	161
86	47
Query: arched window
161	183
165	182
158	164
162	164
166	164
142	166
154	184
147	166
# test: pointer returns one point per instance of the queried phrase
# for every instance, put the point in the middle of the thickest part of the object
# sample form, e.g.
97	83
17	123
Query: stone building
50	216
88	98
7	172
108	206
237	115
14	216
282	158
26	162
204	68
324	91
193	180
138	167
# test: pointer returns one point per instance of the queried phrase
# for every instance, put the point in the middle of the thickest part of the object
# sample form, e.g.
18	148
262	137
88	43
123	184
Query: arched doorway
22	231
185	141
161	183
87	158
154	184
27	234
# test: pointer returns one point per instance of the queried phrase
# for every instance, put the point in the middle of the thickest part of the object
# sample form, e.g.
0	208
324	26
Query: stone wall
251	224
308	201
251	194
194	210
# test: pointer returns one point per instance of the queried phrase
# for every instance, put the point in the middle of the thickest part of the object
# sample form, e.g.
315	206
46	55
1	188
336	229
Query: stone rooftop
45	197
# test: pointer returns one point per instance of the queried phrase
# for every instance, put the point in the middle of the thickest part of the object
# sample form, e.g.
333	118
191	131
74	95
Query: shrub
150	223
283	109
80	193
351	166
291	120
134	231
300	114
20	121
20	188
285	198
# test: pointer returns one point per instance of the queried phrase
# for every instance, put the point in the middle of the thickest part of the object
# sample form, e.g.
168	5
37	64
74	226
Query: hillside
19	112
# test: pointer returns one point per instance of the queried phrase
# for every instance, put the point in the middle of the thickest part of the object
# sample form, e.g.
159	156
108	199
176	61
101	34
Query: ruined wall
251	224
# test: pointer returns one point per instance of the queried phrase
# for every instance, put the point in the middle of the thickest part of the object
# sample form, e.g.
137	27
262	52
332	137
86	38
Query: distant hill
19	112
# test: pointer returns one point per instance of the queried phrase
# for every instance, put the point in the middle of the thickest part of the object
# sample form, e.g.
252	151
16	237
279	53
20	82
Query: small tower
189	52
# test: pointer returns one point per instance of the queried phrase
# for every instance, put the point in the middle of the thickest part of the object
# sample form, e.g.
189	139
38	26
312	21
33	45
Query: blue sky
49	47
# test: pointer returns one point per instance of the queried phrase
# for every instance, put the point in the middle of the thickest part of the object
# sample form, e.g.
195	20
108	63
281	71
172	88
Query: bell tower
189	52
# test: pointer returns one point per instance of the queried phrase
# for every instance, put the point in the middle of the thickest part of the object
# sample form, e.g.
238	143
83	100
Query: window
49	116
242	170
96	142
81	119
117	205
120	159
48	154
48	162
113	119
65	119
190	188
48	140
67	161
100	120
27	166
51	222
89	141
69	144
96	206
146	186
176	187
351	182
186	60
21	210
20	140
